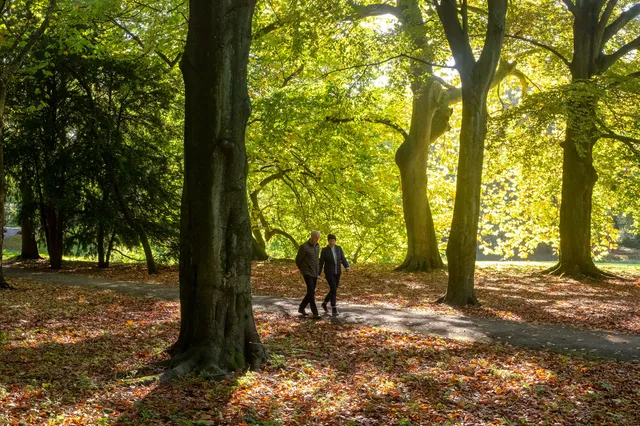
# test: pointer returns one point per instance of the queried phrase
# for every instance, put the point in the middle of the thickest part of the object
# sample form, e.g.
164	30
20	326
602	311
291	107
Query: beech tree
217	329
475	78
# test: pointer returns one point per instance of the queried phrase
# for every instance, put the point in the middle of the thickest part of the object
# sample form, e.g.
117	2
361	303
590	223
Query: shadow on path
555	338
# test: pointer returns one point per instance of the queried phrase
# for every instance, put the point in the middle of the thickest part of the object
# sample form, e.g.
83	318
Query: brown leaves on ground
79	356
507	291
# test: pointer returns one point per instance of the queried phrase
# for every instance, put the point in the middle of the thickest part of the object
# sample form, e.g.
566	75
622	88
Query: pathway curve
557	338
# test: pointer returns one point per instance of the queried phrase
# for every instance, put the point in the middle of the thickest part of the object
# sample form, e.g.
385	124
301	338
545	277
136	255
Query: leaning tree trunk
217	331
29	244
461	248
411	159
138	228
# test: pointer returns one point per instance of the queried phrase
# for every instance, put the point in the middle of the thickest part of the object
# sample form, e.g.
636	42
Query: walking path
624	347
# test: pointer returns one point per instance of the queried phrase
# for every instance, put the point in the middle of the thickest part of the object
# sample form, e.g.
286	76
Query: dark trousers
334	282
310	297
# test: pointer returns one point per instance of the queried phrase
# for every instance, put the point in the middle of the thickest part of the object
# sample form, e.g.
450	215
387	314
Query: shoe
324	306
334	312
316	317
302	312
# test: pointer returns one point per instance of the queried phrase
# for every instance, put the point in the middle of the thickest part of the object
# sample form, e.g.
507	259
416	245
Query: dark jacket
330	266
307	259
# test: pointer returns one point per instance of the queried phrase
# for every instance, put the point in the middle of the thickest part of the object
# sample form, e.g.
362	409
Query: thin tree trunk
217	331
100	245
3	97
110	248
139	229
55	235
258	251
29	244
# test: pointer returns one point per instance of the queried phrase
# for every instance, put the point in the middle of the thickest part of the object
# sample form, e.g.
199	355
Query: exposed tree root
6	286
413	264
578	273
468	301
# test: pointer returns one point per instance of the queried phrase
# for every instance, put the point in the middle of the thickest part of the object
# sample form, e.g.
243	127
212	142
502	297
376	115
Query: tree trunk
110	248
578	180
54	235
258	251
28	229
3	97
411	159
461	248
476	77
102	263
217	330
138	228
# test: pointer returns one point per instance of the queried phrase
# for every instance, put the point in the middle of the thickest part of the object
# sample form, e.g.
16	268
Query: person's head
332	239
315	237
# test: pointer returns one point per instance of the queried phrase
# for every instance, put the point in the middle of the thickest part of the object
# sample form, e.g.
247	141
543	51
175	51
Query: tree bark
591	31
217	331
29	244
3	96
476	78
102	263
411	158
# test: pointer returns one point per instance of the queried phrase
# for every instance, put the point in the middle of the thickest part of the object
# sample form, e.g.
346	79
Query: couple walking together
310	262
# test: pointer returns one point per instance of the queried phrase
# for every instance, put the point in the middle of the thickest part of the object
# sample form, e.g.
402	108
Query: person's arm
343	260
321	261
300	256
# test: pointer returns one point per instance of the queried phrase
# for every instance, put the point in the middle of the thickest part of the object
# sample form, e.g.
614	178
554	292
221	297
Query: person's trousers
310	297
334	282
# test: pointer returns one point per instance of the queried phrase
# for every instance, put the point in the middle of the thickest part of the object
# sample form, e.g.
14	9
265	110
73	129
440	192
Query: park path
556	338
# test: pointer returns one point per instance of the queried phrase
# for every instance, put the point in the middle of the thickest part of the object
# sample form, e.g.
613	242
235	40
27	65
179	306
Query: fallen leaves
79	356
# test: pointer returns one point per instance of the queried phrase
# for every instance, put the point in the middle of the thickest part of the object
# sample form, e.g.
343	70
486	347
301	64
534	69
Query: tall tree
475	78
217	329
18	20
594	33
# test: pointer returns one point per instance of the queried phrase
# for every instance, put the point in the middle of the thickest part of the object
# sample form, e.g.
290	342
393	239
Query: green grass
631	267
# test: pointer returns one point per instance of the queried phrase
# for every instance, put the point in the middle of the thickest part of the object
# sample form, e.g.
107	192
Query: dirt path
555	338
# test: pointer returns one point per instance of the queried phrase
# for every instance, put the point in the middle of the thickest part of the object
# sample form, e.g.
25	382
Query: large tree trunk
217	331
29	244
411	159
476	77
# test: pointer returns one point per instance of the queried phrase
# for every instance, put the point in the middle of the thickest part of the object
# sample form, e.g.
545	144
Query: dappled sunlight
318	372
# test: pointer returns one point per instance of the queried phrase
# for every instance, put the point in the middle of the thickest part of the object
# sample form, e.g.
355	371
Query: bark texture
29	248
217	330
476	78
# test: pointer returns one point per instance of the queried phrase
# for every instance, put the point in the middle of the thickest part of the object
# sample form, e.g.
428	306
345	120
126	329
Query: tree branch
571	6
384	61
33	38
384	121
606	61
375	10
542	45
620	22
457	38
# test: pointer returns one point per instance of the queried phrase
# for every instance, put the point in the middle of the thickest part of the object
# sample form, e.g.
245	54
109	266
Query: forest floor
79	355
509	291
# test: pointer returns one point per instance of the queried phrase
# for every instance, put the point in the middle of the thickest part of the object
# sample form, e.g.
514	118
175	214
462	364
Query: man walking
332	258
307	262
